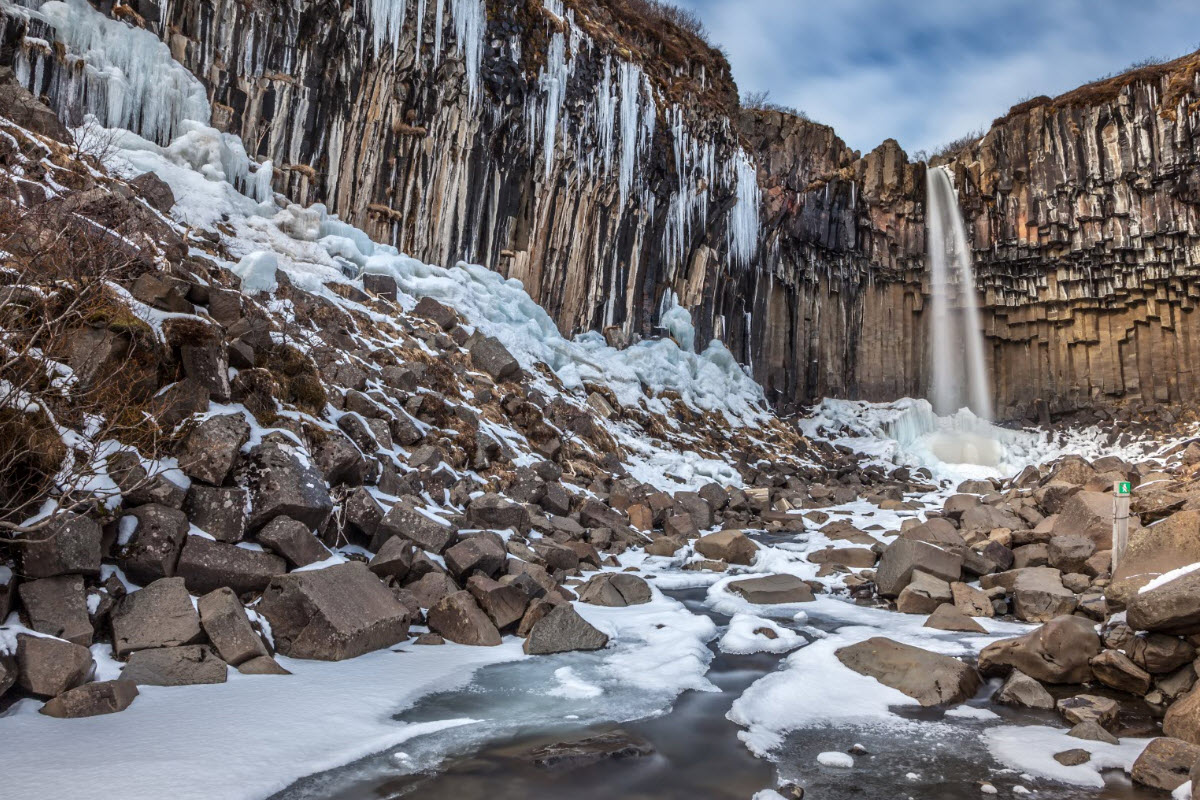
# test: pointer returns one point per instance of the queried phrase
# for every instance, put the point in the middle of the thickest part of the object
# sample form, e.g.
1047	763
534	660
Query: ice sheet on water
1031	749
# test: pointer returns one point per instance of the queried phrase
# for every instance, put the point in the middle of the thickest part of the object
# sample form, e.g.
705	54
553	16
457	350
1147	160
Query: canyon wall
596	151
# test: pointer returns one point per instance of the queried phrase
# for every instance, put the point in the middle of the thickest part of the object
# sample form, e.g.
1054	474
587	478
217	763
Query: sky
926	72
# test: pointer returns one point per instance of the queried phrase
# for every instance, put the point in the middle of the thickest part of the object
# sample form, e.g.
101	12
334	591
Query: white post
1120	521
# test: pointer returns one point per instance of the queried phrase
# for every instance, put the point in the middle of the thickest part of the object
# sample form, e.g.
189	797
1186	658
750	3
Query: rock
853	557
482	552
294	541
57	607
385	287
1039	595
1158	653
664	546
155	190
947	617
432	587
72	546
404	520
175	666
563	630
150	538
490	356
429	639
504	604
394	559
138	487
731	546
1161	548
771	589
224	621
1089	708
680	527
929	678
206	565
1092	732
1057	652
210	448
971	601
460	619
262	665
1114	669
1173	607
1087	514
494	512
1022	691
49	667
160	615
616	745
219	511
1165	764
282	484
902	556
443	316
332	614
1073	758
1070	553
92	699
615	589
923	594
1183	718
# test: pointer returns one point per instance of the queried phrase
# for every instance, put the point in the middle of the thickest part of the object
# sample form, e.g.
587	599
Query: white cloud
928	71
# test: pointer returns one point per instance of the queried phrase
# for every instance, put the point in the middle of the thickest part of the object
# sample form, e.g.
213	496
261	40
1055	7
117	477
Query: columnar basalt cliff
596	152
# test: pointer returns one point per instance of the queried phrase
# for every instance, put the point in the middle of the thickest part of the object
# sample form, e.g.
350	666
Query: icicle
553	82
420	24
387	22
630	80
470	24
439	24
607	114
743	219
262	188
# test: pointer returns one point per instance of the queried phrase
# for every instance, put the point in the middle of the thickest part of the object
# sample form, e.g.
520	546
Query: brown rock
902	556
160	615
1089	708
1022	691
224	620
175	666
929	678
1057	652
49	667
771	589
57	607
947	617
206	565
563	630
615	589
92	699
1165	764
1114	669
730	546
460	619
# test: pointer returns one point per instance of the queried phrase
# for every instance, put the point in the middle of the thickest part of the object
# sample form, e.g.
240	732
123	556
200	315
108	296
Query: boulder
492	357
175	666
459	618
1172	607
1159	653
1070	553
615	589
1165	764
443	316
160	615
332	614
1089	708
771	589
923	594
482	552
224	621
219	511
294	541
1115	670
403	519
206	565
731	546
92	699
1022	691
947	617
69	547
493	512
284	483
58	607
149	539
394	559
432	587
902	556
971	601
210	448
49	667
929	678
563	630
1153	551
262	665
1183	718
1092	732
1057	652
1039	595
853	557
504	604
680	526
1087	514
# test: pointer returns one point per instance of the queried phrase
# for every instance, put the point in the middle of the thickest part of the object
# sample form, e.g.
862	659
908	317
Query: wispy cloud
928	71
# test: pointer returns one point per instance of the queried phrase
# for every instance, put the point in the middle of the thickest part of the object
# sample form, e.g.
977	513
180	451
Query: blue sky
928	71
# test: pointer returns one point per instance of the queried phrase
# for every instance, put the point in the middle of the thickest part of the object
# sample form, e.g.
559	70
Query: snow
1031	749
290	717
835	759
1167	577
257	272
741	637
571	685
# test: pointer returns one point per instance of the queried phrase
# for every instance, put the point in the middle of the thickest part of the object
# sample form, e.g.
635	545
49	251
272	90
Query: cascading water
959	373
960	379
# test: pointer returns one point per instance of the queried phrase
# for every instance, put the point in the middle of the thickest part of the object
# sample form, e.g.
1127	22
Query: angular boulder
561	631
459	618
219	511
481	552
1022	691
615	589
1115	670
902	556
1039	595
947	617
504	604
394	559
1172	607
923	594
58	607
284	484
1165	764
70	547
206	565
210	448
49	667
1153	551
1087	514
731	546
92	699
293	540
224	620
929	678
771	589
493	512
175	666
403	519
492	357
160	615
1183	718
149	539
1057	652
332	614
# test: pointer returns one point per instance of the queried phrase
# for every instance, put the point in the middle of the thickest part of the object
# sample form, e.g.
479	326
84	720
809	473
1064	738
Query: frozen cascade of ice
125	76
387	22
470	24
637	128
553	81
743	222
959	372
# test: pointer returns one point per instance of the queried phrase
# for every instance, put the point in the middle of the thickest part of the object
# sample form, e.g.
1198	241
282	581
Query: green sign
1123	488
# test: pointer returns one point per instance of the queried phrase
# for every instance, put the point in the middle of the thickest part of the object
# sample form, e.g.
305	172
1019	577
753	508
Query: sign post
1120	541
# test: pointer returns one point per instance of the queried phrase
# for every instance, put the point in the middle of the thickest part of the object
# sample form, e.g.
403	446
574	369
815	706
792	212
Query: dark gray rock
58	607
149	540
563	630
175	666
224	620
497	513
219	511
404	520
293	540
459	618
210	448
282	483
615	589
160	615
394	559
206	565
492	357
70	547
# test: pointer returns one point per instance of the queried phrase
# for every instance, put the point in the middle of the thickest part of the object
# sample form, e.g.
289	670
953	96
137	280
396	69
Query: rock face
929	678
332	614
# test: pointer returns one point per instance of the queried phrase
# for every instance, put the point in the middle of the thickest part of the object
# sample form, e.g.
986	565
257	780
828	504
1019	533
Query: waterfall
959	372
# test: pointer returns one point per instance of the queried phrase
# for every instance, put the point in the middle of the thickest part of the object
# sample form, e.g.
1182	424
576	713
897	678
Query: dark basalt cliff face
596	152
